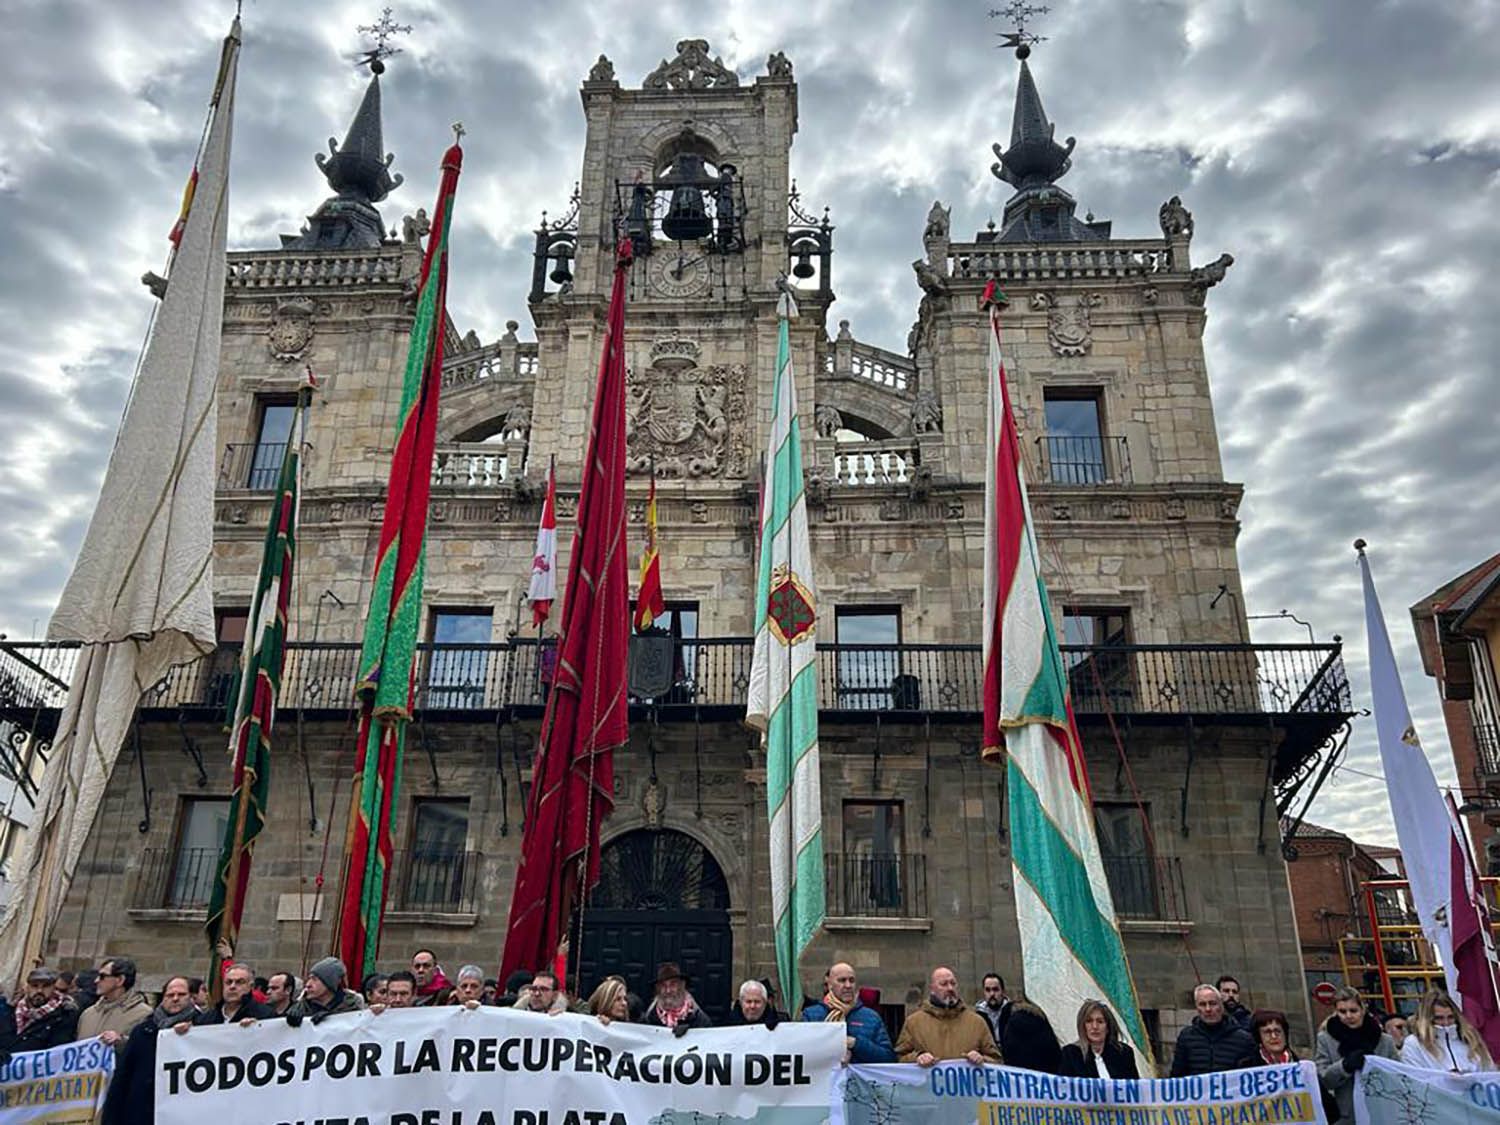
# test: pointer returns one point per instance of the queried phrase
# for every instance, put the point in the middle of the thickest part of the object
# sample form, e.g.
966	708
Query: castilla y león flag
386	686
587	717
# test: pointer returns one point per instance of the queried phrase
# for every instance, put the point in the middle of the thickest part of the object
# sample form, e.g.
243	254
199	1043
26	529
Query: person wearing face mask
1344	1041
1441	1039
944	1027
132	1092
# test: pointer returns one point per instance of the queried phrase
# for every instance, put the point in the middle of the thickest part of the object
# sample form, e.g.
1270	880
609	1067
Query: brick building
1198	741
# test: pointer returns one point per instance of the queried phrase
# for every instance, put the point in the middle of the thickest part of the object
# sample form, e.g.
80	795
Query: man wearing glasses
119	1008
433	984
542	995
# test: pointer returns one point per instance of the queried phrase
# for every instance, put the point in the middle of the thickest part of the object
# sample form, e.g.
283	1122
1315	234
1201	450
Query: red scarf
670	1017
1286	1057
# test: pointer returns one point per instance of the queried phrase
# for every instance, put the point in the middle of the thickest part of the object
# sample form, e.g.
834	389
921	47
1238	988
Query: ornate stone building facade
1197	740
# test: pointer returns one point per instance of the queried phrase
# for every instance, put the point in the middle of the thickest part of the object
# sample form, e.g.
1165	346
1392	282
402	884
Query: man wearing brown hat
674	1005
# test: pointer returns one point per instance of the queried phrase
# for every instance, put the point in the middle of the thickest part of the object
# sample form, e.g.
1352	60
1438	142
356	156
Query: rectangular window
1096	675
220	672
1129	865
871	867
200	834
869	659
439	875
272	435
458	665
1075	436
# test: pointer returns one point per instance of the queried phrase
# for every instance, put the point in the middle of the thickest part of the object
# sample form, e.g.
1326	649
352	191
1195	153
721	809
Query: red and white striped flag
543	589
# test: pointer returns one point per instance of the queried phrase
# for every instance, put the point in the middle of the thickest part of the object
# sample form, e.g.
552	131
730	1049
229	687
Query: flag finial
1360	545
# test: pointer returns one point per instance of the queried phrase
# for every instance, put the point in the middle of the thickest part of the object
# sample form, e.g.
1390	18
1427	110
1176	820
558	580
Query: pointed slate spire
1034	157
359	172
360	166
1040	211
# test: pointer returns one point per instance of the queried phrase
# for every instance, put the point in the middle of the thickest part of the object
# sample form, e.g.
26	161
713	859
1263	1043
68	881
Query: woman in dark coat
1099	1051
1029	1041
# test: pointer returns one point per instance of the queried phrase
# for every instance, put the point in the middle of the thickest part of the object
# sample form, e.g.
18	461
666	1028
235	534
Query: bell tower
692	166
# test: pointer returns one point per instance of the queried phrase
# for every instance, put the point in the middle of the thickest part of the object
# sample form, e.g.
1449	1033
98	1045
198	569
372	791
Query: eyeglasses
1272	1029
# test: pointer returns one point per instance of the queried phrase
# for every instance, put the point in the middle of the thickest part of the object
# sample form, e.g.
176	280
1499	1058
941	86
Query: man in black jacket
238	1005
1213	1041
132	1092
44	1017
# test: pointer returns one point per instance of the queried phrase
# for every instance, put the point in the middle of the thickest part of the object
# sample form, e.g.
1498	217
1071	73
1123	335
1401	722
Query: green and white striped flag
783	702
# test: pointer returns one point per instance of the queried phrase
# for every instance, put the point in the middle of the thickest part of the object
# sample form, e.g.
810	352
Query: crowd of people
57	1008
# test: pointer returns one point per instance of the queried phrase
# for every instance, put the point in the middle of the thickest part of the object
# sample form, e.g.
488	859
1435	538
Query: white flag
1422	828
140	598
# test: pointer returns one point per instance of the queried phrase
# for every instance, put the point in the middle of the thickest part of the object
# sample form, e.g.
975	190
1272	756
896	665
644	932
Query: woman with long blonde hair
610	1002
1441	1039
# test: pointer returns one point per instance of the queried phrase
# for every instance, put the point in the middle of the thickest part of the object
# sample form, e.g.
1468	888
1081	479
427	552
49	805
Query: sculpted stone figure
937	223
779	66
933	283
1206	277
602	71
827	420
926	415
1175	218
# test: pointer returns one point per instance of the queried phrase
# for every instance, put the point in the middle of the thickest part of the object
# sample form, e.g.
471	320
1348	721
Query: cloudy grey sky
1347	152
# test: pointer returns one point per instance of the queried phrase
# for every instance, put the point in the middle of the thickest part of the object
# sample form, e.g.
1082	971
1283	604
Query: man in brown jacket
944	1027
119	1008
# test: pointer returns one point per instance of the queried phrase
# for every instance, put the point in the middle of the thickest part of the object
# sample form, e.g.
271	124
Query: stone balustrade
506	359
471	465
314	269
1058	261
862	463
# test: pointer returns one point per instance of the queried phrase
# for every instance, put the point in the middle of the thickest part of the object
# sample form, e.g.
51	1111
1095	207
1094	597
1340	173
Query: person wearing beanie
324	994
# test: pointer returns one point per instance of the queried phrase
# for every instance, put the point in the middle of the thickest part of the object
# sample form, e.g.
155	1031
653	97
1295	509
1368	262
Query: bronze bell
804	267
562	272
687	218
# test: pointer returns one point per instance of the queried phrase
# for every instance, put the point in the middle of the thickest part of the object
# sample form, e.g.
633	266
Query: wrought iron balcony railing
1487	746
436	882
893	885
255	466
1083	460
1147	888
1136	680
175	878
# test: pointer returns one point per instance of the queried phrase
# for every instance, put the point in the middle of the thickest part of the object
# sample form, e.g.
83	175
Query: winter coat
57	1027
249	1010
306	1008
997	1018
119	1016
1029	1042
872	1042
1336	1042
698	1018
945	1033
132	1091
1240	1015
1450	1053
1119	1060
1203	1048
558	1006
768	1018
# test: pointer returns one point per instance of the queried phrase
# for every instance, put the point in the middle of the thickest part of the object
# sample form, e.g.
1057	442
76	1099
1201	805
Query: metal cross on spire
383	31
1018	14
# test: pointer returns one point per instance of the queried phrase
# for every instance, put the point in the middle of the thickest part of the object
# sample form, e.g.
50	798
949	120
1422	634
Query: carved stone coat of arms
689	421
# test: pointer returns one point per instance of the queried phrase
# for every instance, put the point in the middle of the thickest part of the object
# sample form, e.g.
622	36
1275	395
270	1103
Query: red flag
649	604
1474	961
587	717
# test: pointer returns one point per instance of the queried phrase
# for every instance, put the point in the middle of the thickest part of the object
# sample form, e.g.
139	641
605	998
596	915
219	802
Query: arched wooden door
661	897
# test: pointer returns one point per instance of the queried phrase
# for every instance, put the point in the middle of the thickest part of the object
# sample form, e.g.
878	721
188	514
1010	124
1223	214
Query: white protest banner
959	1093
494	1066
62	1086
1387	1093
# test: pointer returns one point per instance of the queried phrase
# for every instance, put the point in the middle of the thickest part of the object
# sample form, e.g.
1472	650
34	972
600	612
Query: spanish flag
648	602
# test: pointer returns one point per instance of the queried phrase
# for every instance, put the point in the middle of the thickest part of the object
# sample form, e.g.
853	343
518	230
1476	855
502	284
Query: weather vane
1018	14
383	31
